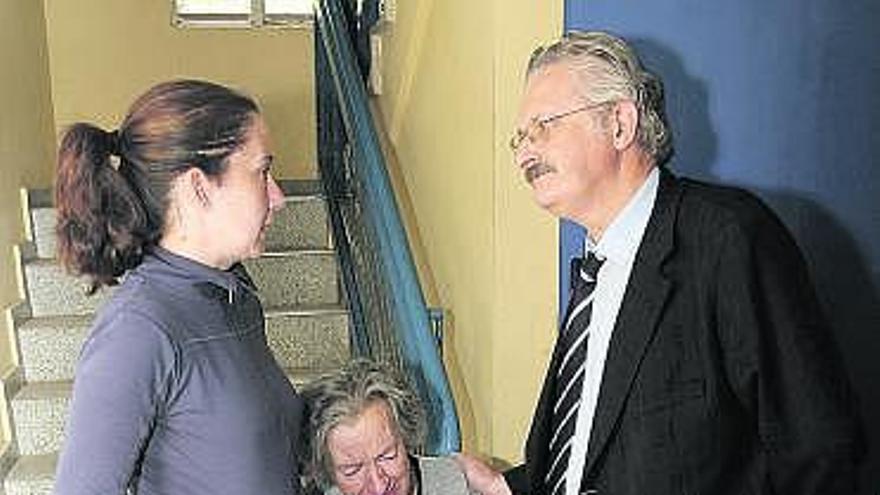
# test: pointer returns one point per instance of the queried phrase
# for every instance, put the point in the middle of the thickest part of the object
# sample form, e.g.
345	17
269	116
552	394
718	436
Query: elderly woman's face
369	457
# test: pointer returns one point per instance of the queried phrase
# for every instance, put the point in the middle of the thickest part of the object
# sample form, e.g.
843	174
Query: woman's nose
276	195
377	481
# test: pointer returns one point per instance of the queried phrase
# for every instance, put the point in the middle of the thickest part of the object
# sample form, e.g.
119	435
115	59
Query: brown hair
112	188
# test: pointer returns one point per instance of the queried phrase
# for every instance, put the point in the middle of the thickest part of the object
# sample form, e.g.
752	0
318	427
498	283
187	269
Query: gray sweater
177	392
434	476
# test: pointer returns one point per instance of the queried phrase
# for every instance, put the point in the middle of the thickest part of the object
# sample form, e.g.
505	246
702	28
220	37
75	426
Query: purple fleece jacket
177	391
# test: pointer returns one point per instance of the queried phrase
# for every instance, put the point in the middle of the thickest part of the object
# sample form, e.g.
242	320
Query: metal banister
407	308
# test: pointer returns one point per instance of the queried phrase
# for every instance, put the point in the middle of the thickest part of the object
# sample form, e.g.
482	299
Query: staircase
306	324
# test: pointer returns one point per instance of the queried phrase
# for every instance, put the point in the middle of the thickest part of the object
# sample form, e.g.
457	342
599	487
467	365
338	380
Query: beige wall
104	53
452	74
26	141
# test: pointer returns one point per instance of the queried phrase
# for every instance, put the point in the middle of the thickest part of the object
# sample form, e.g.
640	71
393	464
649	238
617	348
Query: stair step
43	228
304	277
301	224
49	346
295	278
300	337
52	291
40	409
32	475
309	339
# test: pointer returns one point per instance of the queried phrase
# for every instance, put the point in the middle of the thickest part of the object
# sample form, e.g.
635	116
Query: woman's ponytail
102	225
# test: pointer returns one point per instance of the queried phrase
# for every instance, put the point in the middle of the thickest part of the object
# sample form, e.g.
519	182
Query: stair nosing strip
61	388
294	252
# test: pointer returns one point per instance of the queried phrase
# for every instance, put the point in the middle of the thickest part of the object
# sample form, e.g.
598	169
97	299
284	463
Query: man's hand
481	477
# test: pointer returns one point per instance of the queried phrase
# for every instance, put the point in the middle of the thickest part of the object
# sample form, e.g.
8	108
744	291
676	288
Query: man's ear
625	123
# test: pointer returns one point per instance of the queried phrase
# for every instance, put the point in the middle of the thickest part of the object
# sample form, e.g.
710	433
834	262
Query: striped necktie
572	348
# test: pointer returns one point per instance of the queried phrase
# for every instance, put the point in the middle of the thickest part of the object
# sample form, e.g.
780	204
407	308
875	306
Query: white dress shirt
618	246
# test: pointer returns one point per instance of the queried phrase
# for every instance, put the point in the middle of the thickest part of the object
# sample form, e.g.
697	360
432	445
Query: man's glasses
537	128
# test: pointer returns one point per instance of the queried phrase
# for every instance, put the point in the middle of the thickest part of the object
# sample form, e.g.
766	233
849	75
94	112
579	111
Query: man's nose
525	155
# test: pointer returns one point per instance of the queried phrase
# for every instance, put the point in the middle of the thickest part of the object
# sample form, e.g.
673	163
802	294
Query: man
702	362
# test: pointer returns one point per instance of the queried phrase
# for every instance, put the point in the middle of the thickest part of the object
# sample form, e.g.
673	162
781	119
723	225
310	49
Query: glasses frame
538	125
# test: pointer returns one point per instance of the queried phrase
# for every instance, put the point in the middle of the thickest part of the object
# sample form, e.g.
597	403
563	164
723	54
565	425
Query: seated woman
365	426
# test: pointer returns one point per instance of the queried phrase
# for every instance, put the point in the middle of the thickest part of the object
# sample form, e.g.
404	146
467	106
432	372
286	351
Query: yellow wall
104	53
26	140
452	75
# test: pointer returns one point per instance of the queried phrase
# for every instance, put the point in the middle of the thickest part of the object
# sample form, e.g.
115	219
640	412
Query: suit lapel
637	319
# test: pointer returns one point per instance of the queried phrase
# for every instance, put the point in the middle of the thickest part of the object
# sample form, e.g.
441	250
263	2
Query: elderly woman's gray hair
610	71
343	396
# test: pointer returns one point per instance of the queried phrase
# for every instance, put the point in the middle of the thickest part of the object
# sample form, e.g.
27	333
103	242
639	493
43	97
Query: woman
365	426
176	390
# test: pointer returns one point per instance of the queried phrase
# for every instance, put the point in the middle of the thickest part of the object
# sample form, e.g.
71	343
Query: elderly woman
365	426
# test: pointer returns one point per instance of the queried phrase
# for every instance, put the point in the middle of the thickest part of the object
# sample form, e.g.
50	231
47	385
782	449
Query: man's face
568	161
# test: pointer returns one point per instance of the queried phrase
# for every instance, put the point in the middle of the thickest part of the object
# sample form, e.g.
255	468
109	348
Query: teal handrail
413	329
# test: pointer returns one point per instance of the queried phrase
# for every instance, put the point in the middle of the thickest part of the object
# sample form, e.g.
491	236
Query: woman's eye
389	456
350	471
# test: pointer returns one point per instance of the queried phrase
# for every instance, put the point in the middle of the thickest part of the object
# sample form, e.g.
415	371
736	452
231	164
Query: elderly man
693	358
365	427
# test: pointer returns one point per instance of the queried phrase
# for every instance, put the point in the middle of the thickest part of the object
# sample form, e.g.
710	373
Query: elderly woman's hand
481	477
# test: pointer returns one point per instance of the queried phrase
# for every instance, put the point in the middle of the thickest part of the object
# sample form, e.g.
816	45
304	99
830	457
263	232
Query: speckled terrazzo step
291	278
300	337
32	475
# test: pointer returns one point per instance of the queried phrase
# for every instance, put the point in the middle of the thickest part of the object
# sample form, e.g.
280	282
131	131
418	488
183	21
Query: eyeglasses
537	128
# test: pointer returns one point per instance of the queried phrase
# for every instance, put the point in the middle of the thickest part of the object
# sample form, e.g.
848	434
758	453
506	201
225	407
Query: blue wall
782	98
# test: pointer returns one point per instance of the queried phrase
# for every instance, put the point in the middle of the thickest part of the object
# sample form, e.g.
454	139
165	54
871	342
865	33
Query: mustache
537	169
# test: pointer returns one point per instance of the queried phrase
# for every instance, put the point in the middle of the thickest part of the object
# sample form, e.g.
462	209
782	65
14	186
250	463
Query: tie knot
584	270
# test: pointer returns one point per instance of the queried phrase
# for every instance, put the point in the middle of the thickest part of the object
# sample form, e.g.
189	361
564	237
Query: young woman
176	391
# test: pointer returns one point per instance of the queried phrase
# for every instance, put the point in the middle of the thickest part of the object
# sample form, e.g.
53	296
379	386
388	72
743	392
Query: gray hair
610	70
343	396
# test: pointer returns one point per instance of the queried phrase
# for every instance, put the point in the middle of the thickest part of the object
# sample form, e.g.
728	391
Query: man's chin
544	197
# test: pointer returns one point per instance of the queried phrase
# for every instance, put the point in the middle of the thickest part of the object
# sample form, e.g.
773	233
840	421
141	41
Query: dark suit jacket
721	376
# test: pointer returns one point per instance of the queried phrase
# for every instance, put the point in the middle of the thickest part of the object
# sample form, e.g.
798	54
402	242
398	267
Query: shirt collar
621	239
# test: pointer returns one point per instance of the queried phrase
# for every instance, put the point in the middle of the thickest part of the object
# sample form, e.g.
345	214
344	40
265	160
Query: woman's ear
196	183
625	121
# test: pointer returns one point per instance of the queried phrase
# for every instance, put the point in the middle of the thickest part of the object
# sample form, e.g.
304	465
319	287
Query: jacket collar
174	269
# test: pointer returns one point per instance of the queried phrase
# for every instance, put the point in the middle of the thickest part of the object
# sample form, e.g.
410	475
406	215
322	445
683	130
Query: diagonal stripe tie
572	349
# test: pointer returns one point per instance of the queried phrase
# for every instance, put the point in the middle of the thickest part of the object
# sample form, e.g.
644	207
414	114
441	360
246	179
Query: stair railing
389	319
